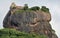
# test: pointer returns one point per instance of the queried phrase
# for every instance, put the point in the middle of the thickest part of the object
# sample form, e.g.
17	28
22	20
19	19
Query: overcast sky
53	5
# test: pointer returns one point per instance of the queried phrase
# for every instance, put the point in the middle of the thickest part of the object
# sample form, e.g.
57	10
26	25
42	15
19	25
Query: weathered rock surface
30	21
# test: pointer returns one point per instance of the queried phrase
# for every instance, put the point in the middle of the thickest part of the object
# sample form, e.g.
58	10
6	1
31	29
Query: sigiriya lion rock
30	20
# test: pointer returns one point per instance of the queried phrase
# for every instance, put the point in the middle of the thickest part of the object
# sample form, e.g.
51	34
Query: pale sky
53	5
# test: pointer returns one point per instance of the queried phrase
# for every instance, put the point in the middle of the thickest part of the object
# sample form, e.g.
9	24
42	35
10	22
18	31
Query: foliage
12	33
19	11
25	7
35	8
32	8
22	11
44	9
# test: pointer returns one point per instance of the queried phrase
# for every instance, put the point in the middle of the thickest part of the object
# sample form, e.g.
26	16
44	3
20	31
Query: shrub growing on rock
35	8
44	9
25	7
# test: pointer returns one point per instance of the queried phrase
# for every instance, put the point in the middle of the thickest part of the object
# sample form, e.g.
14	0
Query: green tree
35	8
25	7
44	9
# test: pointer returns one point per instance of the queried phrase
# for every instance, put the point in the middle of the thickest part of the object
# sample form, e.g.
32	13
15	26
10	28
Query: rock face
29	21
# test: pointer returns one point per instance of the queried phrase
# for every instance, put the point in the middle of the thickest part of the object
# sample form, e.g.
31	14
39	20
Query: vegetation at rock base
12	33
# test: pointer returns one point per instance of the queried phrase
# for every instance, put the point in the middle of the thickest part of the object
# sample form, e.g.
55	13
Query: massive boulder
29	21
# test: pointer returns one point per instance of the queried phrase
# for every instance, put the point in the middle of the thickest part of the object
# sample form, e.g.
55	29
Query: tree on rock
25	7
35	8
44	9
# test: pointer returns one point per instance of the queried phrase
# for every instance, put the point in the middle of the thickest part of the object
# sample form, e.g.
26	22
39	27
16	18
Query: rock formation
29	21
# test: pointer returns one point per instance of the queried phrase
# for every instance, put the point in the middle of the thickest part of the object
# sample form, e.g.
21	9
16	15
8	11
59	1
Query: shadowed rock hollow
29	21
